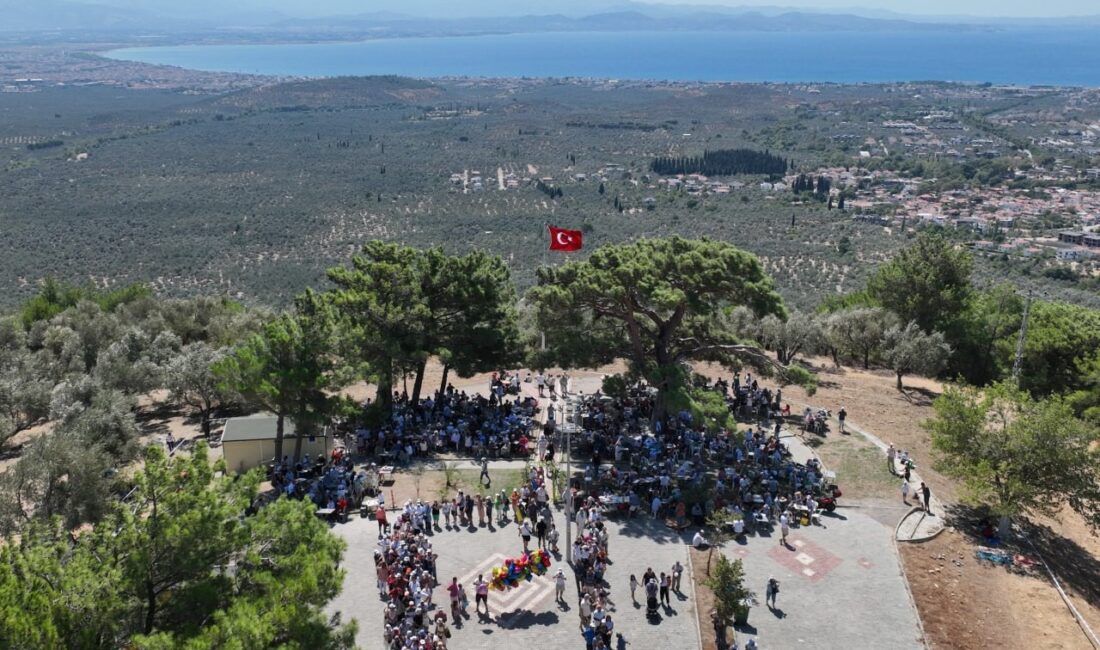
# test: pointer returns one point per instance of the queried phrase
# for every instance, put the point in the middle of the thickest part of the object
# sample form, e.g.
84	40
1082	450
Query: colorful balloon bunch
522	568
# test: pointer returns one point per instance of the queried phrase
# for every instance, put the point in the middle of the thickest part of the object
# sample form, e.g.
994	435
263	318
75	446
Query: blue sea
1023	57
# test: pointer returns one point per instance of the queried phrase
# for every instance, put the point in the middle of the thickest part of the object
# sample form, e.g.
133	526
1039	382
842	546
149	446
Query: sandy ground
705	600
967	606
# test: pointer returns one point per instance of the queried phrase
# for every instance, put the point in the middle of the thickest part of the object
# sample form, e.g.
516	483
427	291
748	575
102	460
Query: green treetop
927	282
289	369
659	303
1016	454
180	564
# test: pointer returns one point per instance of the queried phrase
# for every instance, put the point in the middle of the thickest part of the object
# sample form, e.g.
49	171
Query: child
633	589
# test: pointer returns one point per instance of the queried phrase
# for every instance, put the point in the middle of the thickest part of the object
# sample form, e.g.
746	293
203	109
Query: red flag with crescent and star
565	240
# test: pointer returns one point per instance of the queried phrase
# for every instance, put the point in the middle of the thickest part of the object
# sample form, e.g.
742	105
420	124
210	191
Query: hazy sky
450	8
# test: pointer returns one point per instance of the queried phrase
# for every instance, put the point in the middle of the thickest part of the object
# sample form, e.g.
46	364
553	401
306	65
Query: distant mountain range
423	17
627	20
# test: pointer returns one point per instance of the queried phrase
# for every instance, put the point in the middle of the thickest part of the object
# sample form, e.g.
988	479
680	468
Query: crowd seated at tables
332	484
470	425
683	472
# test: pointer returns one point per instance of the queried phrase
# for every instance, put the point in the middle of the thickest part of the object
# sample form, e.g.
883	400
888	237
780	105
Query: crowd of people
407	577
678	471
666	470
454	421
331	483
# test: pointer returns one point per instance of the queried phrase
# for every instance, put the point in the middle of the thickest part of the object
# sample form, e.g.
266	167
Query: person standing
540	532
516	512
485	478
771	592
841	416
926	492
784	527
664	584
525	533
383	525
559	585
891	454
454	590
542	443
589	634
633	588
481	594
480	511
677	573
502	507
905	491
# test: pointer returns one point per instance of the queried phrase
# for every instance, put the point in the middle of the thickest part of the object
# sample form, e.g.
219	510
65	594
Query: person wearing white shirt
699	541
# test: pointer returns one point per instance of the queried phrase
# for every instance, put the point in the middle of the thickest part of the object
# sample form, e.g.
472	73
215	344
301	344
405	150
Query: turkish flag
565	240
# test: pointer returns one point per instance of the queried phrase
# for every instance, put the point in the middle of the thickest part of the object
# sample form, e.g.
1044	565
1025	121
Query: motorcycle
827	500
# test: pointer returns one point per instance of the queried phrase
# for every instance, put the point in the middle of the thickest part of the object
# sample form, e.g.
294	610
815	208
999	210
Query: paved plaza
841	584
840	587
528	616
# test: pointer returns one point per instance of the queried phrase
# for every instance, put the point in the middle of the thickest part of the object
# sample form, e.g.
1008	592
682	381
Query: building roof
254	427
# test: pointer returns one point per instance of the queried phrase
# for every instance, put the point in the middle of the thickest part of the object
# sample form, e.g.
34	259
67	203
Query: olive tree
909	350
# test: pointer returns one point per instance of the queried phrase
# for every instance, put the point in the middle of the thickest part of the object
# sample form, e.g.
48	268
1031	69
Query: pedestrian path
916	525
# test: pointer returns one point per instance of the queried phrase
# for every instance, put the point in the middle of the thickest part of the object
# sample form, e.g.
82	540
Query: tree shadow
813	442
918	396
654	529
1074	565
1076	568
747	628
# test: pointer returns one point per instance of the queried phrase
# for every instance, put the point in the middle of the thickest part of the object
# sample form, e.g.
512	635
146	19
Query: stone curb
915	540
695	598
905	579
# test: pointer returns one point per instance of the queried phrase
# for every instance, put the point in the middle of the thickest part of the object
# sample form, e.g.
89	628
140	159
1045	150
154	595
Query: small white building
250	442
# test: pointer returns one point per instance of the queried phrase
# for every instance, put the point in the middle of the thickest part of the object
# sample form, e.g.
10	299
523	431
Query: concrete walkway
841	583
916	525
